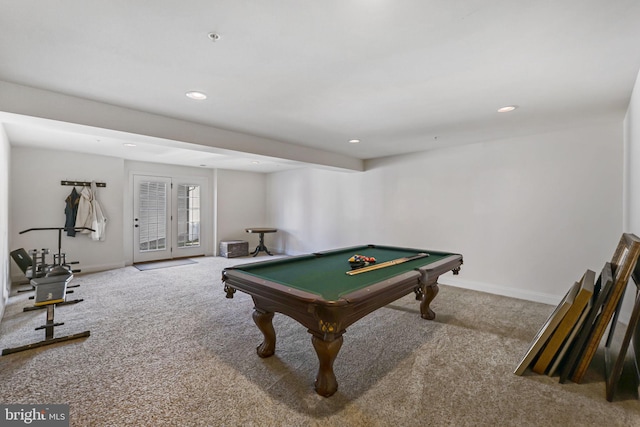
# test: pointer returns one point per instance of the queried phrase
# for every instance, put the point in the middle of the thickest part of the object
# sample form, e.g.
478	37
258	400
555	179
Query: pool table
316	291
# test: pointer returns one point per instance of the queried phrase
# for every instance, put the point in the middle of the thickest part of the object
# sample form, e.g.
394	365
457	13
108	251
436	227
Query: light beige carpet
168	349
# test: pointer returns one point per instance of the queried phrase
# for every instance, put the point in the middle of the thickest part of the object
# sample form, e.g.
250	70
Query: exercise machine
49	291
28	262
33	263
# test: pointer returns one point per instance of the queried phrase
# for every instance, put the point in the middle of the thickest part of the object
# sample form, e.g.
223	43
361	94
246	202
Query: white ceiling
401	76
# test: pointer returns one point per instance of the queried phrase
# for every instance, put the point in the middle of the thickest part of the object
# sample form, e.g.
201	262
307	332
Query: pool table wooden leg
264	321
430	292
327	352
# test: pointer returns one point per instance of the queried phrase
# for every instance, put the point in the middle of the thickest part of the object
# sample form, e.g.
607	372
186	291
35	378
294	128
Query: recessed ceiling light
507	108
213	36
255	162
354	141
129	144
198	96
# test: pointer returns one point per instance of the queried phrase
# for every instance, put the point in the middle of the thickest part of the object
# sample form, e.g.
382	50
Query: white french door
166	218
151	218
187	198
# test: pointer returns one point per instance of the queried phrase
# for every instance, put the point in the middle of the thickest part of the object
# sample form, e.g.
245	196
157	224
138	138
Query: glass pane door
188	216
152	218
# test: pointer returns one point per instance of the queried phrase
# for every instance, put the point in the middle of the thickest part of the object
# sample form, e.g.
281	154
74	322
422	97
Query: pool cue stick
386	264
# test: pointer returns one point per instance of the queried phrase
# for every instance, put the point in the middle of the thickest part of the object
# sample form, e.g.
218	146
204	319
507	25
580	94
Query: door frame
206	212
189	251
157	255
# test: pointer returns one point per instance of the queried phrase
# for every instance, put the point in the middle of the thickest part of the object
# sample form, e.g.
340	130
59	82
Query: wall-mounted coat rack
83	183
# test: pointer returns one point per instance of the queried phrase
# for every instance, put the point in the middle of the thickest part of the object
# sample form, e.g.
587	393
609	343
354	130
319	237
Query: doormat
163	264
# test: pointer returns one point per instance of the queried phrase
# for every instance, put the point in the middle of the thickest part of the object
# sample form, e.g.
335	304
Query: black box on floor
234	248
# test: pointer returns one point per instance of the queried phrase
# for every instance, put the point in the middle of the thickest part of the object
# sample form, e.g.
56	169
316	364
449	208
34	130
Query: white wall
632	162
528	214
5	282
632	178
240	203
317	209
38	200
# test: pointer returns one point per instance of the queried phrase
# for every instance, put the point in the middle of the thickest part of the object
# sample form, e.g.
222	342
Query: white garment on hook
85	210
98	220
90	214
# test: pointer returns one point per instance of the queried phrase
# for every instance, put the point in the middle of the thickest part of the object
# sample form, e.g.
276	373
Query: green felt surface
326	275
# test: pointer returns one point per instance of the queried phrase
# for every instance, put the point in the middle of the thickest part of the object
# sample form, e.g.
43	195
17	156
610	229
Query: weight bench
49	291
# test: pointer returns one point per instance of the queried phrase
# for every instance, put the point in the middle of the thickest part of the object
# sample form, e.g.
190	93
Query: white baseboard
100	267
500	290
523	294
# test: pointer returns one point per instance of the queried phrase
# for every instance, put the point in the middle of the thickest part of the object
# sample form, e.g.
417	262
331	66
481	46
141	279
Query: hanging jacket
70	212
98	220
84	217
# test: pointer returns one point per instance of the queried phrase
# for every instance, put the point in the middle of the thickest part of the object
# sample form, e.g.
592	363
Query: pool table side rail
383	247
354	249
429	272
373	297
311	310
252	284
267	288
307	307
